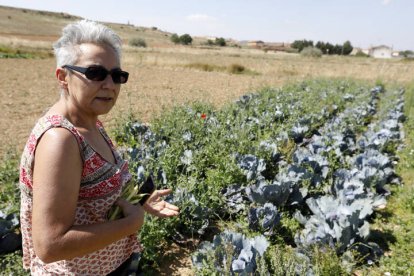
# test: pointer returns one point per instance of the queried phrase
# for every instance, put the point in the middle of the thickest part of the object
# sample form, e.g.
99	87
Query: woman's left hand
158	207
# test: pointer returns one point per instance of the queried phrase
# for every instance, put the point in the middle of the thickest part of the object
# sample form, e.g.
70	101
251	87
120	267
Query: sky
364	23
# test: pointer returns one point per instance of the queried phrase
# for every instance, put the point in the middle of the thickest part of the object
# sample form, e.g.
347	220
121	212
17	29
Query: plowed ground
159	80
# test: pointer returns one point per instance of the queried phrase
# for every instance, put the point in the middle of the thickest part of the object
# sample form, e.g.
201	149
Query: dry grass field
160	79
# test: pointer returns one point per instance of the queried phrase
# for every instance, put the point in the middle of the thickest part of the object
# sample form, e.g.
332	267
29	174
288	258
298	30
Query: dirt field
159	79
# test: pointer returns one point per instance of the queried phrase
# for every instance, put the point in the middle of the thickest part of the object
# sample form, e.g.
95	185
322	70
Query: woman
71	174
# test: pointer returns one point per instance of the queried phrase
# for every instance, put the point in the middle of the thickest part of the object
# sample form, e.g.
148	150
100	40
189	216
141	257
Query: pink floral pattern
100	187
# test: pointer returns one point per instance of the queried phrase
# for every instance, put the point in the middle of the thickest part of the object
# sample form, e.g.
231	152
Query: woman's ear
61	76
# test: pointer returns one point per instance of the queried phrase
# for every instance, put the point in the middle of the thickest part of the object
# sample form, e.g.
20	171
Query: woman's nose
108	82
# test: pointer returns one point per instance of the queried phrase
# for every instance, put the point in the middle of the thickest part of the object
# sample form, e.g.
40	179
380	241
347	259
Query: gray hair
84	31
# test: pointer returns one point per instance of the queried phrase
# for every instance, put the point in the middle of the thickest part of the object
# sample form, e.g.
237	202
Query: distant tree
321	46
347	48
300	44
308	43
330	48
175	39
297	44
406	53
220	42
210	42
337	49
186	39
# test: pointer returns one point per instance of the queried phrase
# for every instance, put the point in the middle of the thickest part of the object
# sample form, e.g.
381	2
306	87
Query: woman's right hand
135	213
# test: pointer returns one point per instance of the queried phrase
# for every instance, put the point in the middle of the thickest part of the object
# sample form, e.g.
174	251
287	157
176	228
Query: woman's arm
56	182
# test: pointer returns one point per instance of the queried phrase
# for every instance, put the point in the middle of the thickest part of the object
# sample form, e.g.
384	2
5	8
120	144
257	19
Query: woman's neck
78	118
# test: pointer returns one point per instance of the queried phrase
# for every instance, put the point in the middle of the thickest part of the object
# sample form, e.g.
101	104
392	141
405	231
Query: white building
381	51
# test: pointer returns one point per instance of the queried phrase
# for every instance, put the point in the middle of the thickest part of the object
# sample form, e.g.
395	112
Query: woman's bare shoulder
57	160
58	140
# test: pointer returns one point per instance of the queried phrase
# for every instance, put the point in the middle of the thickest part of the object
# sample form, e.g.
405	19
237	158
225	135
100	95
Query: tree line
186	39
326	47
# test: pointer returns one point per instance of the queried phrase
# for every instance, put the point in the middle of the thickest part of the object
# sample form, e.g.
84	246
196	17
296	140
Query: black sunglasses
99	73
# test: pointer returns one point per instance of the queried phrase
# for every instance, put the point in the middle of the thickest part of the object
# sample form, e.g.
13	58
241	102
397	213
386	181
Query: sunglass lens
96	73
123	77
119	76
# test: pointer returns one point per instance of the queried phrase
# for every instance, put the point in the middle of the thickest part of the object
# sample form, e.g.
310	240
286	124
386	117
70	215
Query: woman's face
93	98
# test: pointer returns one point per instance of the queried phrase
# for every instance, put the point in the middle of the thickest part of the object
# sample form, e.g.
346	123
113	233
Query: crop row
338	208
221	162
302	166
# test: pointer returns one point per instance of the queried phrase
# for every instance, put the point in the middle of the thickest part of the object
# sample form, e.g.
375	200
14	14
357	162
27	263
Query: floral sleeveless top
100	186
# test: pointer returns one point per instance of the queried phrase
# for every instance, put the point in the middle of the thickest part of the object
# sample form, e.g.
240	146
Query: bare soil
177	262
159	80
29	88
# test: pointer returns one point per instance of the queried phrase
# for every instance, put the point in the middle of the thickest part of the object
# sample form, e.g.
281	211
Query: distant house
395	54
381	51
277	44
256	44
